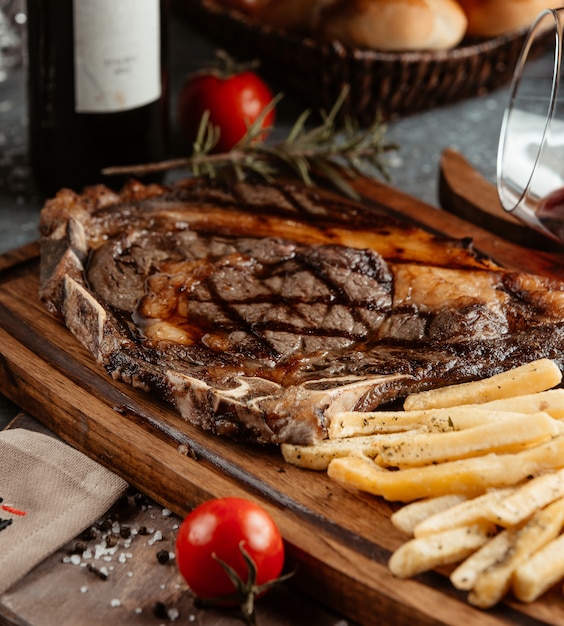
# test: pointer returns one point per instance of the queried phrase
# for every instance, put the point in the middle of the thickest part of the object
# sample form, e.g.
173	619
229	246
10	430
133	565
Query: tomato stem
246	591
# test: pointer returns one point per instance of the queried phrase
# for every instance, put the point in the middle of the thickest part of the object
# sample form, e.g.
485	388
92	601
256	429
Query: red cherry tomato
216	529
233	102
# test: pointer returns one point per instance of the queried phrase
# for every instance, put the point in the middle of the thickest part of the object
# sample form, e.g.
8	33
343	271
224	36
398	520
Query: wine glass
530	160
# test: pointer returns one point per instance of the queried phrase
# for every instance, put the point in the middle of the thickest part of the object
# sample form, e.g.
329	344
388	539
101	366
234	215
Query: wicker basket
395	83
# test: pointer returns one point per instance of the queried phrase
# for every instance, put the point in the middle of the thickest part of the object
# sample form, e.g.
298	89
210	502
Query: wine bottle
97	89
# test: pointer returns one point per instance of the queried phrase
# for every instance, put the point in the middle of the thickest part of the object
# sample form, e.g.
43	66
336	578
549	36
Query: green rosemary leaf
325	150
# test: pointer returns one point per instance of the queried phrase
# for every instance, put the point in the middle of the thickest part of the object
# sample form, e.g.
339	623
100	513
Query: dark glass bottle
97	89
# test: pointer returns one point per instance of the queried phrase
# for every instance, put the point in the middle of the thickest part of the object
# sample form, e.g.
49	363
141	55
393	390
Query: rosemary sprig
323	152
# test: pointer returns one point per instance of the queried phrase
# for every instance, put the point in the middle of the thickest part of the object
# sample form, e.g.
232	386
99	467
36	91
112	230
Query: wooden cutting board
339	540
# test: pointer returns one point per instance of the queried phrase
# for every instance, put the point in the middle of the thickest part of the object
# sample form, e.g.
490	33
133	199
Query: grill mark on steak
261	327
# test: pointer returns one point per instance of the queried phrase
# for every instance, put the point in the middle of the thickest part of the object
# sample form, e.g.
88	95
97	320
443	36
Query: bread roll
488	18
379	24
394	24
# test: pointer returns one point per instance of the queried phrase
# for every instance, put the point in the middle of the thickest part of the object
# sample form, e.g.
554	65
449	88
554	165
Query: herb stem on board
325	151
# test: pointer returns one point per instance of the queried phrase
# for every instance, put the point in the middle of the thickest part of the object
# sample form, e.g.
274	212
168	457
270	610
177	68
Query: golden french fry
410	515
468	458
450	546
492	552
356	423
510	435
493	583
550	401
469	477
532	377
544	568
463	513
527	499
318	456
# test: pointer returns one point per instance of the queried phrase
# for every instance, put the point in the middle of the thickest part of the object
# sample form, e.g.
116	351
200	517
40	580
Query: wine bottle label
117	54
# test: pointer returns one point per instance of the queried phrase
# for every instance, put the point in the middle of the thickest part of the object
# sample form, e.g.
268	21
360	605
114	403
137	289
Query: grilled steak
259	311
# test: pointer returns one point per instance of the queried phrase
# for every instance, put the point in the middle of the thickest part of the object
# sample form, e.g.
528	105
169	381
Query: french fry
510	435
318	456
356	423
466	459
410	515
542	570
525	500
464	513
450	546
493	583
550	401
532	377
469	477
465	575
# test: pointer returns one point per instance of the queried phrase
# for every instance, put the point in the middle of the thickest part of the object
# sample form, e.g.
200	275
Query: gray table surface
472	127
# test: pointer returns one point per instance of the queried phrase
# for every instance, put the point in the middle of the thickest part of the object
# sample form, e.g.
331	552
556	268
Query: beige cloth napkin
50	493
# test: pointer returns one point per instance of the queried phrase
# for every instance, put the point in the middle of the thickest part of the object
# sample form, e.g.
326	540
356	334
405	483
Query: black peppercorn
159	610
125	532
79	547
163	557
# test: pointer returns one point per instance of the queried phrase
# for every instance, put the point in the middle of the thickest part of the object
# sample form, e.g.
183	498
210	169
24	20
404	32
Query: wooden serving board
339	540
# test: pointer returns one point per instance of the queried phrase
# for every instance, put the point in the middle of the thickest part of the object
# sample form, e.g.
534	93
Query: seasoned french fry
450	546
354	423
492	584
492	552
470	477
550	401
542	570
532	377
318	456
464	513
466	459
527	499
510	435
410	515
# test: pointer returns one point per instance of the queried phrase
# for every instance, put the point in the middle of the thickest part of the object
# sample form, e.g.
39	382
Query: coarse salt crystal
115	602
158	536
166	512
83	589
102	550
173	614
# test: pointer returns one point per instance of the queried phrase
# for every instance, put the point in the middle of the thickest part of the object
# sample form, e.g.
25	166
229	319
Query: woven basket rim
467	48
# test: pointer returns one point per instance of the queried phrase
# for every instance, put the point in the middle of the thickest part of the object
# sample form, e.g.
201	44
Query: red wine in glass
550	212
